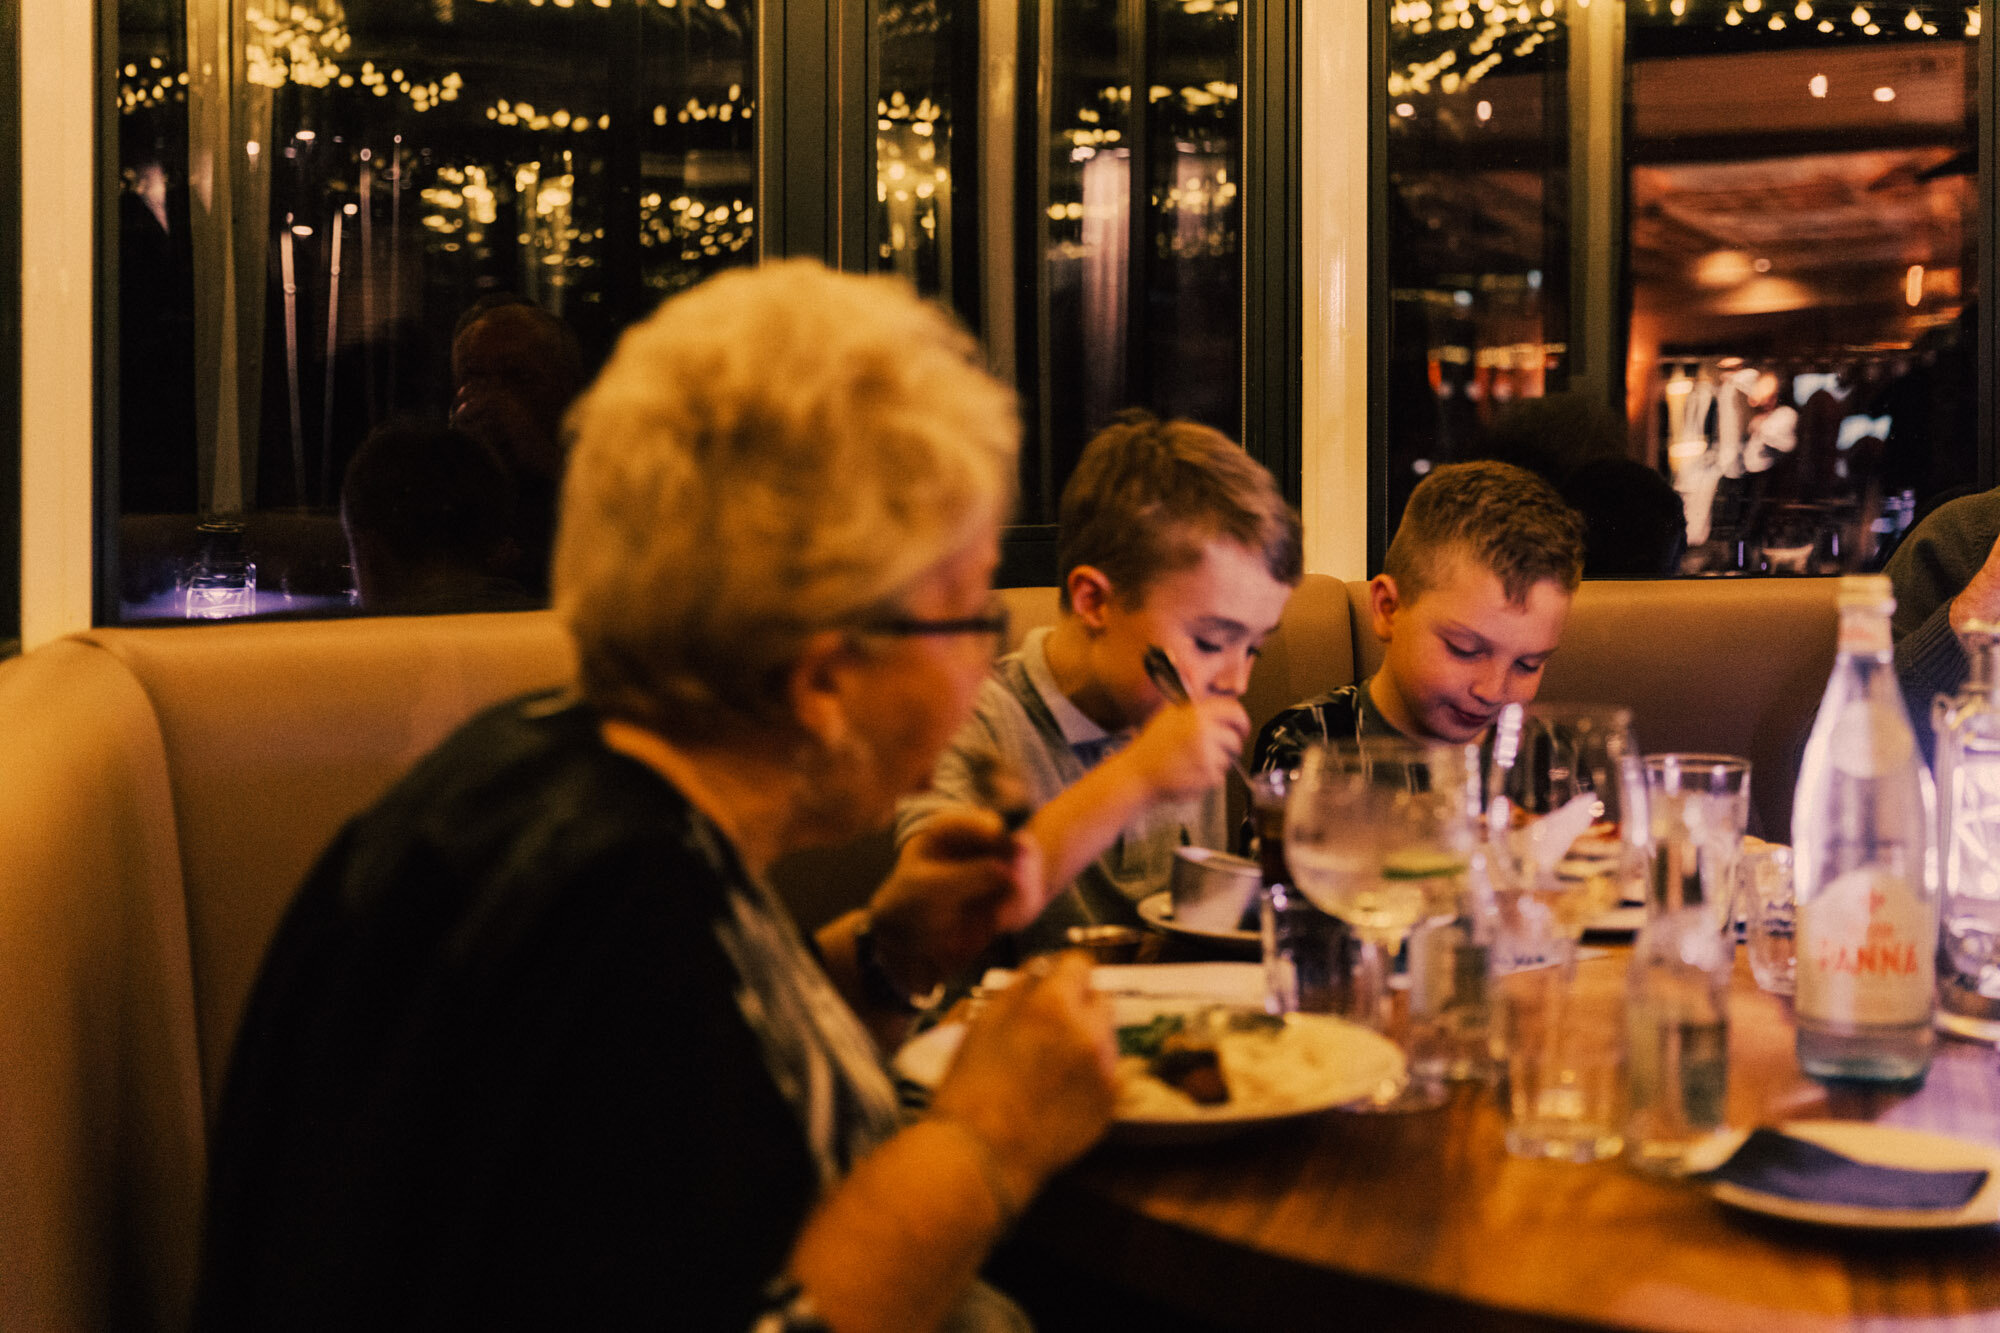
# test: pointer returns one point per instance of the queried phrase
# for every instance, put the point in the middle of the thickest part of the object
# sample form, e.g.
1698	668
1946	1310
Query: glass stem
1372	997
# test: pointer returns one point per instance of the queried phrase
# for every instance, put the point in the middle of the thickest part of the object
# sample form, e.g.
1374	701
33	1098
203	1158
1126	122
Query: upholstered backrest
277	733
101	1149
1728	666
166	790
1735	667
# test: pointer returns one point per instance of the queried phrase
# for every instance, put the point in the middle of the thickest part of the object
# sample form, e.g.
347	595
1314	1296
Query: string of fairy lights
310	45
1448	46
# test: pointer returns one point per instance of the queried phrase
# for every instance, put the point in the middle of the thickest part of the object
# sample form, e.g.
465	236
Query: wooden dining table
1423	1220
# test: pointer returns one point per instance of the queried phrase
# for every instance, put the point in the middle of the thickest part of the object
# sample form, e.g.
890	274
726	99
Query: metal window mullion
1032	239
1269	173
1597	200
1988	257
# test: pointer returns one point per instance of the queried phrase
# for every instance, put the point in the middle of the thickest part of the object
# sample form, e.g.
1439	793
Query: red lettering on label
1872	960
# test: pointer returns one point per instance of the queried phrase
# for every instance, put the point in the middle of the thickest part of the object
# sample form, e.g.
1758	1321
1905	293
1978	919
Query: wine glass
1565	816
1379	834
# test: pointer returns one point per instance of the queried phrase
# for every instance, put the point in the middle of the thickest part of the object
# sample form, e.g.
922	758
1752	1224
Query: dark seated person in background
428	512
536	1046
515	368
1945	573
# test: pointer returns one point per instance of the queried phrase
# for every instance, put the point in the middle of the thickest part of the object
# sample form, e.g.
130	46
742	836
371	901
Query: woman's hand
1035	1078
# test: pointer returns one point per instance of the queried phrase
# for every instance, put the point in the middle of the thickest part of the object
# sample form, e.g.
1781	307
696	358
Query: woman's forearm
898	1242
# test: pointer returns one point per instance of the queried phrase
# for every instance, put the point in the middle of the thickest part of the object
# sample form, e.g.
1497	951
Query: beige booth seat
1714	666
166	789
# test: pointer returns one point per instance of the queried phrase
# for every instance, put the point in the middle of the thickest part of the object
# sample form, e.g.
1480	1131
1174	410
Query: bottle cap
1867	590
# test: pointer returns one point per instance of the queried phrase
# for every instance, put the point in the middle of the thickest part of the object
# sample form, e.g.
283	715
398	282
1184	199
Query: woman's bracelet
989	1166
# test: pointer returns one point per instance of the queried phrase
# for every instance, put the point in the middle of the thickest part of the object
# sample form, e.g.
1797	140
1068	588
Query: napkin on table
1771	1162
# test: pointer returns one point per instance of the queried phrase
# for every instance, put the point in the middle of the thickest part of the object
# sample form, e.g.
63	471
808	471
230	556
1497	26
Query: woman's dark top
530	1050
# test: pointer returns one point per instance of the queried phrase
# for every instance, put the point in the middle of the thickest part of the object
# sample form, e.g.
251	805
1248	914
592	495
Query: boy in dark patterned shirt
1469	607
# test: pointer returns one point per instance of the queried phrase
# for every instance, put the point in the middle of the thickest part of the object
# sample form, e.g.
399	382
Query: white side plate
1878	1145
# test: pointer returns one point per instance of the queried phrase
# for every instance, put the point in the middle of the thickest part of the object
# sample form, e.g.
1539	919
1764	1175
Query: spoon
1167	680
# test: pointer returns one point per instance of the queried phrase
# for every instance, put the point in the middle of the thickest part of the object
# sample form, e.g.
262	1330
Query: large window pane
304	238
1142	286
1804	206
924	59
1760	218
1478	230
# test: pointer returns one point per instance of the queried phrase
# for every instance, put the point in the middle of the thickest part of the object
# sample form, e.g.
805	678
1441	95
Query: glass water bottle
1967	731
1863	820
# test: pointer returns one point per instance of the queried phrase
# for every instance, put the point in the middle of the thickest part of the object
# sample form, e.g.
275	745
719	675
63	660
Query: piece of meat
1194	1070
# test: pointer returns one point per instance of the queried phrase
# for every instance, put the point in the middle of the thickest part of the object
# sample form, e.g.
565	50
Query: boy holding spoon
1170	537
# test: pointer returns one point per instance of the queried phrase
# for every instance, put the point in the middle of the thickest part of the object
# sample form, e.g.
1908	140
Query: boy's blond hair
1505	517
1147	495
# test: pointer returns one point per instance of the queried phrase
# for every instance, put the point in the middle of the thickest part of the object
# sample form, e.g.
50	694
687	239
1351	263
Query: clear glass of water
1564	1068
1764	891
1699	805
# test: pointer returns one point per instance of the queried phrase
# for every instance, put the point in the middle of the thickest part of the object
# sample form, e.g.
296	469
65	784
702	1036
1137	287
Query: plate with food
1189	1072
1157	911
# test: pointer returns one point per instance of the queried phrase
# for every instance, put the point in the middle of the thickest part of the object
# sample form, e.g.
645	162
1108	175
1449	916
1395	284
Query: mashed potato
1270	1070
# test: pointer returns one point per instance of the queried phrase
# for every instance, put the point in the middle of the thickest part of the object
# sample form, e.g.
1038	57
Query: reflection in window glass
1478	241
1193	318
388	218
1088	233
1144	310
1804	206
916	189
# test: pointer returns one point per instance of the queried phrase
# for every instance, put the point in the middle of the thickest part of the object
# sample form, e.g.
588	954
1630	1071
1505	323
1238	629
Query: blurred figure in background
1634	521
429	515
515	368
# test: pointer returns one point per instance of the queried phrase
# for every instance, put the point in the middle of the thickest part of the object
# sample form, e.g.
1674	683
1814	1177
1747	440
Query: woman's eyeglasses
992	621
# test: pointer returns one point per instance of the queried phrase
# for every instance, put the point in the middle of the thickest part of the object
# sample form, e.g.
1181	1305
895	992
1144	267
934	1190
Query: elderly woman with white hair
536	1046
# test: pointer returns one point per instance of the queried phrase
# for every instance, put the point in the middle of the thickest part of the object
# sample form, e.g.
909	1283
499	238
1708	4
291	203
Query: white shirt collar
1077	729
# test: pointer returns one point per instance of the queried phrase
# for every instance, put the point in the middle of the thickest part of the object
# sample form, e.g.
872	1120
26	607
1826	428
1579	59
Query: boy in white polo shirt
1169	536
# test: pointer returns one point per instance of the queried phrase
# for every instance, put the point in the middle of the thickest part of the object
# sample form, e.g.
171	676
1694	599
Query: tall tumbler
1677	991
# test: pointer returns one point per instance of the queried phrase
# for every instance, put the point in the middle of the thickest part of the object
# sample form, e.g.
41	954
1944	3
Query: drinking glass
1764	888
1307	954
1379	834
1565	813
1677	987
1699	805
1564	1071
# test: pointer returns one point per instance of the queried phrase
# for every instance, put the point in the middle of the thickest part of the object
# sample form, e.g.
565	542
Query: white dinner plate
1157	911
1344	1062
1878	1145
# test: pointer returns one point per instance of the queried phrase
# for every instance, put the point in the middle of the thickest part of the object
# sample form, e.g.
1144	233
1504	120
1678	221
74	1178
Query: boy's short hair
1505	517
1147	495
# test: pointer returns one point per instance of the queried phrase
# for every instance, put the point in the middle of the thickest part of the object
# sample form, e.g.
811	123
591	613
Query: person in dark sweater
1945	573
536	1046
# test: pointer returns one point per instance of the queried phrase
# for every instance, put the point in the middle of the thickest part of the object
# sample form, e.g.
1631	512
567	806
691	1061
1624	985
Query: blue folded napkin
1771	1162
